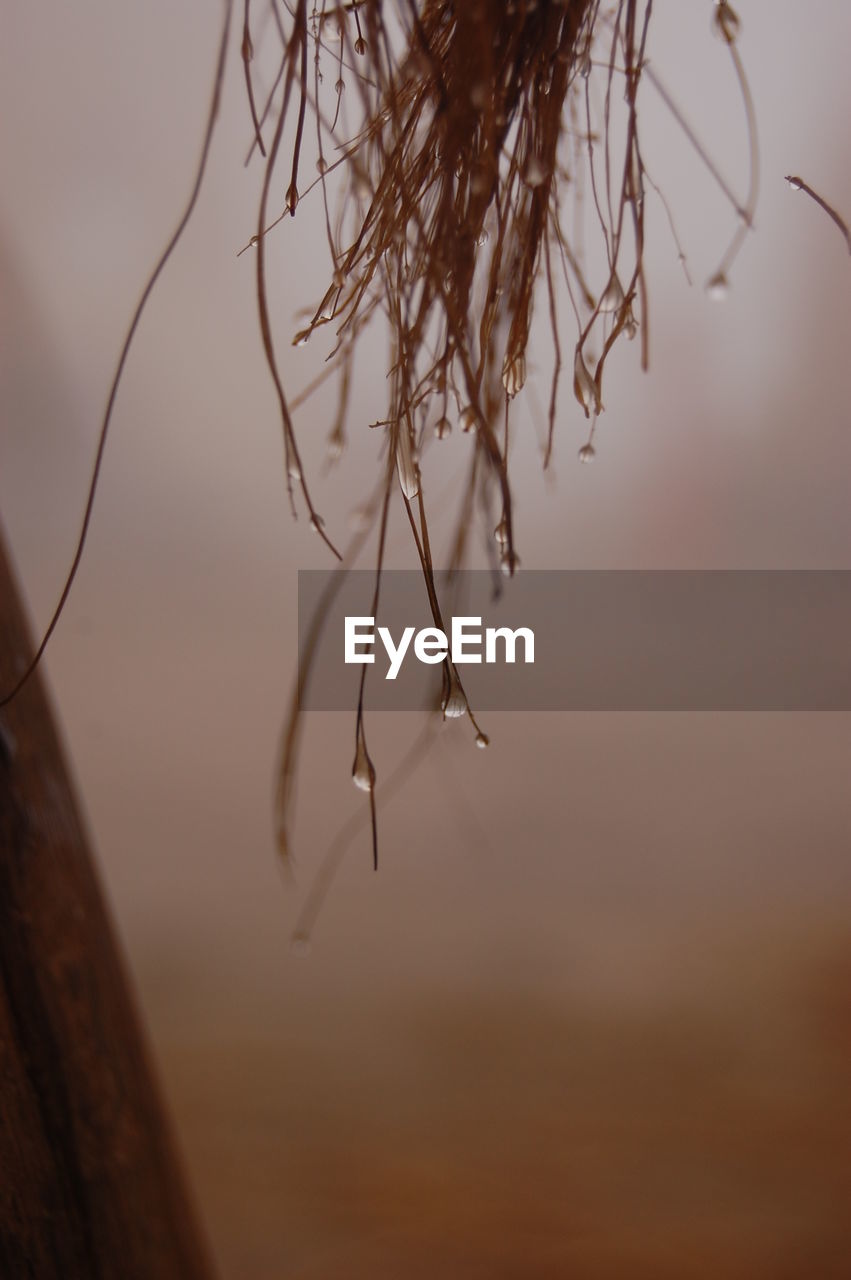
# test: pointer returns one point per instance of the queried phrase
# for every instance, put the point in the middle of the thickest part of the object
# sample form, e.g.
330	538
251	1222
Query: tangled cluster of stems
477	124
450	224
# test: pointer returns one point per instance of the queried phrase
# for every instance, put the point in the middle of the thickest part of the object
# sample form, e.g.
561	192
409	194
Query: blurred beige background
592	1017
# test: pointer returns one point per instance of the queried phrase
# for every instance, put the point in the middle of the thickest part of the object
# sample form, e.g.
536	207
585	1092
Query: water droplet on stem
455	702
718	286
469	419
536	174
406	465
613	297
336	446
509	563
363	770
584	387
514	374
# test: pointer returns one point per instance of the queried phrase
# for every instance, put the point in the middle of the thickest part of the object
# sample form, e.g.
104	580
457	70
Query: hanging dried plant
476	132
446	188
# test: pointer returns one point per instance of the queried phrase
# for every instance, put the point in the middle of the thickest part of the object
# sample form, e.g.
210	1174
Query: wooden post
89	1185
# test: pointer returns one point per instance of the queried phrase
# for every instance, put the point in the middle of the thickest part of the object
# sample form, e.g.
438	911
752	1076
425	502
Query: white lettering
431	645
510	638
354	638
393	653
461	637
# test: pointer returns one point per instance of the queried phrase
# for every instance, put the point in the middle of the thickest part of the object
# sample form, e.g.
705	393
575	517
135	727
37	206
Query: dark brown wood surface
89	1186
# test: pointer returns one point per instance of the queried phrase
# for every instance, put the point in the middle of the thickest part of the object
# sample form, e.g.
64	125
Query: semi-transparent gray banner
580	640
